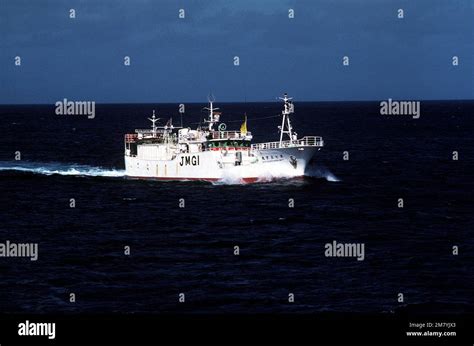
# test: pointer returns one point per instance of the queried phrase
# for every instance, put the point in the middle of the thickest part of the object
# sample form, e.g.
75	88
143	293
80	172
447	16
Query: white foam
60	169
263	175
230	178
321	172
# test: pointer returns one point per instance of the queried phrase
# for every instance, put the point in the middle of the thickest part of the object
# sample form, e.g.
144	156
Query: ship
213	153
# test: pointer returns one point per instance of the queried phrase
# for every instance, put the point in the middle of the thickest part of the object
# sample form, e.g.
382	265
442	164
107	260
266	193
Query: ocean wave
265	176
54	168
321	172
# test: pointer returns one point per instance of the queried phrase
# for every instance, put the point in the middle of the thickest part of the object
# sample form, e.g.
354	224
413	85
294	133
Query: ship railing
229	134
148	131
131	137
307	141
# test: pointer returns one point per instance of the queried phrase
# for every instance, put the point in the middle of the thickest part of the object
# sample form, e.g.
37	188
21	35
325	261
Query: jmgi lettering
189	160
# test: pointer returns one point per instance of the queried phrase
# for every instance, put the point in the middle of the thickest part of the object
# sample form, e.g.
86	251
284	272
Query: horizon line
233	102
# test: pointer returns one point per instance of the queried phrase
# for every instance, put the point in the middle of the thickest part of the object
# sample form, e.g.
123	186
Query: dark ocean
191	250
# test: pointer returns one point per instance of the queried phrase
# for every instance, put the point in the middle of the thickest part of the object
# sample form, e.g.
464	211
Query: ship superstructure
212	153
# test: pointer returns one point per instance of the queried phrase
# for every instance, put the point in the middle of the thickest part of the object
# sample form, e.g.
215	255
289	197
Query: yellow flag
243	127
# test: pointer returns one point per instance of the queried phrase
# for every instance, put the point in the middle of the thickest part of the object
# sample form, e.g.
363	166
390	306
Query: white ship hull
261	165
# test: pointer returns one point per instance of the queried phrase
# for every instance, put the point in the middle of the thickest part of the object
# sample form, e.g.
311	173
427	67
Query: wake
56	168
321	172
60	169
312	172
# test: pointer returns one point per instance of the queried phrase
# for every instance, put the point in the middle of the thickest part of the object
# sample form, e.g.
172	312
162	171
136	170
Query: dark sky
183	60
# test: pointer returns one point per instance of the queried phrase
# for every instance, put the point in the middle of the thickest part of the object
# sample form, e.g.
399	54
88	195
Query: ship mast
213	118
153	119
286	127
